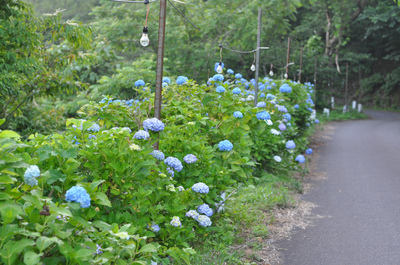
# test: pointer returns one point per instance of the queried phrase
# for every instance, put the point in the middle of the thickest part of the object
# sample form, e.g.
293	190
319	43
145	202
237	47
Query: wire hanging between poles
135	2
220	45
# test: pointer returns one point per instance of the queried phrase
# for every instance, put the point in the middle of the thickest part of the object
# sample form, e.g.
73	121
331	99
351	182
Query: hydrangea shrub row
100	189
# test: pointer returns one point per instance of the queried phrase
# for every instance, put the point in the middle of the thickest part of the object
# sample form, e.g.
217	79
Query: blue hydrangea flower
269	87
290	144
247	85
174	162
282	127
218	77
273	84
209	81
153	124
190	159
105	100
31	174
309	151
176	222
158	155
220	89
287	116
164	84
310	109
285	88
270	96
181	80
288	124
261	104
200	188
155	228
225	145
141	135
204	220
171	171
238	76
94	128
307	124
217	64
79	195
230	71
316	121
236	91
261	87
126	129
98	250
205	209
310	101
80	127
166	80
300	159
282	109
237	114
262	95
296	106
91	136
193	214
263	115
140	83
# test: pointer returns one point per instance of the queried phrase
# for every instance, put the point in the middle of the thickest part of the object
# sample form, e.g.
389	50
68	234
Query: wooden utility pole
347	81
315	77
287	61
160	62
257	57
301	62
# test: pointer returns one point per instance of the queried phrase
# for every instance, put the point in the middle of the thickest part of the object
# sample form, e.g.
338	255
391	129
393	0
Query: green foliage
336	115
130	191
27	67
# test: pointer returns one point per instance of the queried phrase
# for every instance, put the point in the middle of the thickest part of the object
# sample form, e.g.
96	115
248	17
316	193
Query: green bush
136	199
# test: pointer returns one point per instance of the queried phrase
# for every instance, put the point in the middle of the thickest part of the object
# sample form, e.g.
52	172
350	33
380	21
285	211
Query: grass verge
243	226
338	115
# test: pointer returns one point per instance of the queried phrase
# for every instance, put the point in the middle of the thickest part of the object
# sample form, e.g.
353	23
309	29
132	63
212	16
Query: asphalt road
360	198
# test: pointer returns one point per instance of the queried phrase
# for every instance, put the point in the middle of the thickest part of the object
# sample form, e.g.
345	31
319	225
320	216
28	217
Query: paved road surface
361	196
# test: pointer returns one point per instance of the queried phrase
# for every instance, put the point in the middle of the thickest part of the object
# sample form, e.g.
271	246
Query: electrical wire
147	14
220	45
135	2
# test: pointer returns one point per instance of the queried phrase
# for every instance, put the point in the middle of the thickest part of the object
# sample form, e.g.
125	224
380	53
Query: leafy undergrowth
247	215
338	115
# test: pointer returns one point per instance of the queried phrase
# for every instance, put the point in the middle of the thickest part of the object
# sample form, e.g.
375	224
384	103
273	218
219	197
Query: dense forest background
56	55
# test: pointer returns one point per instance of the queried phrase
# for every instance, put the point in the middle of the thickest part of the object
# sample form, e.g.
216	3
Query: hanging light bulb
253	67
219	68
271	73
286	76
144	40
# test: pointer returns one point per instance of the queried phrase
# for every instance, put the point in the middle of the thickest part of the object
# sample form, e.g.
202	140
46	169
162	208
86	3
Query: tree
34	53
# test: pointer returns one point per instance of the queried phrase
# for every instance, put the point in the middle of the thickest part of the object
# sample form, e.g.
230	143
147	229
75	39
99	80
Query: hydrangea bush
100	189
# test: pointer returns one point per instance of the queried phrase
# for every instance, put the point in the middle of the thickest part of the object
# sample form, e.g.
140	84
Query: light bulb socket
146	2
220	63
145	30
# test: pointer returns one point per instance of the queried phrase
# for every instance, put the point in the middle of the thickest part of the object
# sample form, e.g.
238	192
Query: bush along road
99	193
